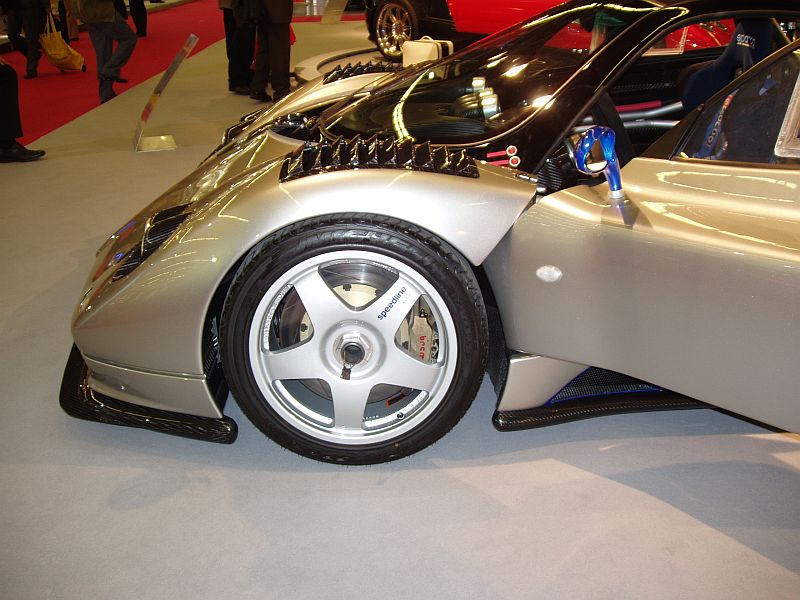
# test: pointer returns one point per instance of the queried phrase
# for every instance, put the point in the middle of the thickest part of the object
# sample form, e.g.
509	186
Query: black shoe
30	75
113	78
19	153
141	34
107	98
156	1
241	90
261	96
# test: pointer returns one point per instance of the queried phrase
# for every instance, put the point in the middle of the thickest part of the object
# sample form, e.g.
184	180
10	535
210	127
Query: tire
399	306
396	21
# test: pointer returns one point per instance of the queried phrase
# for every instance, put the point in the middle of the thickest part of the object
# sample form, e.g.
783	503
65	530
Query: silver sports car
352	293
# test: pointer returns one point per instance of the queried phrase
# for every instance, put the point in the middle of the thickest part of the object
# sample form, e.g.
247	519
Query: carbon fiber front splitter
80	401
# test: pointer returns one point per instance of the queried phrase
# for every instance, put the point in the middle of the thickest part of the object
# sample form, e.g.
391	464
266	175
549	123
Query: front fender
153	318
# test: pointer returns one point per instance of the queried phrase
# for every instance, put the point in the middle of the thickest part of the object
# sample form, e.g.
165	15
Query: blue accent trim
552	399
594	382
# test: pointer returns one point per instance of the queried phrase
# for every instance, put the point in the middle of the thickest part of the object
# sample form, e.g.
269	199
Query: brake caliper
419	335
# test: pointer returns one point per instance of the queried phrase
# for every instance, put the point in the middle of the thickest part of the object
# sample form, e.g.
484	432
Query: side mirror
594	153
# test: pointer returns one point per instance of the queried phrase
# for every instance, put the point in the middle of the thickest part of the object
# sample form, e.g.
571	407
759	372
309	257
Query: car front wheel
356	340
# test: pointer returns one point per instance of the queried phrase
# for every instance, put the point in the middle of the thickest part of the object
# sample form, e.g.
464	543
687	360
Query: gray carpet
663	505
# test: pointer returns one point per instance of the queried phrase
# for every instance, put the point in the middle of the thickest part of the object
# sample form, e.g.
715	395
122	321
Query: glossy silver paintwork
313	95
165	391
152	320
698	294
533	380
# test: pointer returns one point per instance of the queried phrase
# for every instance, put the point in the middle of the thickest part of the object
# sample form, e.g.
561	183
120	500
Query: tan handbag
58	52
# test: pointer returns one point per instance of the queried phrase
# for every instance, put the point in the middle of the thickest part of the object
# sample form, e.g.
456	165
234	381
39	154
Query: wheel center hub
352	354
352	348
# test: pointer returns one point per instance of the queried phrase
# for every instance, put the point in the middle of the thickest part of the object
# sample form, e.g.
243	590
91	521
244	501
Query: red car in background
392	22
480	16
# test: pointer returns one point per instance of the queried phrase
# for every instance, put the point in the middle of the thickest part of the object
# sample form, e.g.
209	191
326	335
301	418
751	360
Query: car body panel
163	391
706	279
533	380
159	300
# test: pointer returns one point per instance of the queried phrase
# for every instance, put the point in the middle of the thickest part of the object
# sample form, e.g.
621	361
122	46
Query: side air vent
374	153
130	261
349	70
158	230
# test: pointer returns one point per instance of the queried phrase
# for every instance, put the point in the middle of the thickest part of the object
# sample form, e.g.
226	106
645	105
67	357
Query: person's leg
258	87
72	19
122	34
62	21
103	48
279	53
10	124
239	48
139	16
14	20
32	24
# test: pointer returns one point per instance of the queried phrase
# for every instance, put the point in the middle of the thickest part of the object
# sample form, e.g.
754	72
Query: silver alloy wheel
334	347
393	26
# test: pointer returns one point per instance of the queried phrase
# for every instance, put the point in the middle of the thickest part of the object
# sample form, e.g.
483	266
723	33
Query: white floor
662	505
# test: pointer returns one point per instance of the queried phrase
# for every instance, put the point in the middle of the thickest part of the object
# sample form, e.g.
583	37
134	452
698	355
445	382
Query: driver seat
750	43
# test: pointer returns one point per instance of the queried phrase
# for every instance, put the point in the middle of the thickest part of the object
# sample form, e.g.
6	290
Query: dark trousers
240	46
272	57
10	124
109	59
139	16
62	22
29	20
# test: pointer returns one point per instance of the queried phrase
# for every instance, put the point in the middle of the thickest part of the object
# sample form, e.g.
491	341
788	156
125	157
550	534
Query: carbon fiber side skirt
585	408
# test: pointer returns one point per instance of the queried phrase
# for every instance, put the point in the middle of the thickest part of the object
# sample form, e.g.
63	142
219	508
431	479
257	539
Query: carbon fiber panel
342	154
600	382
80	401
575	410
350	70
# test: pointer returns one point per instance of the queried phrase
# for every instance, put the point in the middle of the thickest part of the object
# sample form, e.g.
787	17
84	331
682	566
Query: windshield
491	86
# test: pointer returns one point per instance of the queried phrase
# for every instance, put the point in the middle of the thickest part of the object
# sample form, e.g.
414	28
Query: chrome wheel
394	24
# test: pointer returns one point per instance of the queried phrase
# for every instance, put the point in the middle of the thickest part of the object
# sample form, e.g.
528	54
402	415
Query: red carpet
55	98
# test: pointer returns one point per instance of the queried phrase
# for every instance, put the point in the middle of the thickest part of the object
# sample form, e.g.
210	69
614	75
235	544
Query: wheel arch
362	233
497	361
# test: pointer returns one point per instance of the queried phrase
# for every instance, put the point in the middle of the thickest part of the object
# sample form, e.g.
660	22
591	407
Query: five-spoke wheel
341	342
